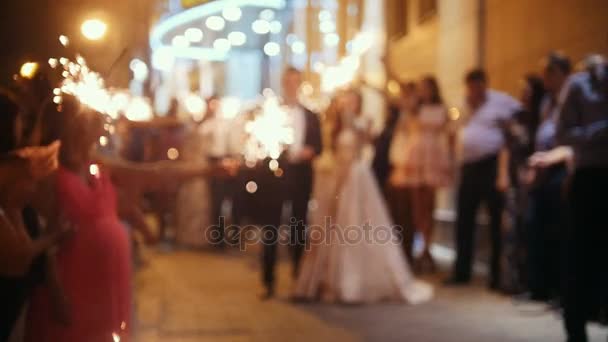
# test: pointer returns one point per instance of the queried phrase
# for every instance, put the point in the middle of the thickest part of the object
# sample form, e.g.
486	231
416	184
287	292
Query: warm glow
194	34
230	107
267	15
172	154
270	131
393	88
298	47
163	59
94	29
327	26
324	15
139	109
454	113
276	27
196	106
232	13
251	187
29	69
139	69
237	38
331	39
260	26
180	42
215	23
272	49
64	40
94	170
222	45
273	165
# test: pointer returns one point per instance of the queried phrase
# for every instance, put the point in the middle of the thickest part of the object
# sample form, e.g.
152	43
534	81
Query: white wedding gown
344	263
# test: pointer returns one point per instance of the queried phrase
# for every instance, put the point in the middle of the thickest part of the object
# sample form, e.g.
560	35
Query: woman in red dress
94	265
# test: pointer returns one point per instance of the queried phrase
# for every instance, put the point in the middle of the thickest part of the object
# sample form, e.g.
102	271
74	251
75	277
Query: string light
232	13
215	23
237	38
194	34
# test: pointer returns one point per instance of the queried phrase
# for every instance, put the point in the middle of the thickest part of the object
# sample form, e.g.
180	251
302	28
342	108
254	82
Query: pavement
187	296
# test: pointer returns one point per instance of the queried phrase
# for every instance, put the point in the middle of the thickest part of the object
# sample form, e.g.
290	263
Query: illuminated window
426	9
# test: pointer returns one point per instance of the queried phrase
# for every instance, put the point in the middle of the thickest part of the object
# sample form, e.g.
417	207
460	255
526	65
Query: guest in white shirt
484	174
221	137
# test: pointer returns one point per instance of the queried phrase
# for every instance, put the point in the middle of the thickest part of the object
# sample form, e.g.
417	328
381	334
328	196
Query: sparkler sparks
89	88
269	132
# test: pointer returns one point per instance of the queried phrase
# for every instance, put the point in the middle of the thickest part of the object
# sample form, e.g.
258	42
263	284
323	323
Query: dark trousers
478	185
220	188
545	229
296	189
399	202
586	288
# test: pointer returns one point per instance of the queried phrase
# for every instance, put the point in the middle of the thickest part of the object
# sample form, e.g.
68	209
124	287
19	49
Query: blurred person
152	141
23	245
428	159
193	202
294	186
483	174
583	125
372	268
221	138
398	107
398	193
546	207
520	135
94	266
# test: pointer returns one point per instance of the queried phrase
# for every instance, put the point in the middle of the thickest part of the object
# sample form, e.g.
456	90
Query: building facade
507	38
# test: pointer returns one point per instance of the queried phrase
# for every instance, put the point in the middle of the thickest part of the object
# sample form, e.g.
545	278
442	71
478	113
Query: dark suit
382	145
295	186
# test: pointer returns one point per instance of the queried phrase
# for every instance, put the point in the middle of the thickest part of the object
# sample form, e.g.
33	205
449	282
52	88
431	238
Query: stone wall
519	33
516	34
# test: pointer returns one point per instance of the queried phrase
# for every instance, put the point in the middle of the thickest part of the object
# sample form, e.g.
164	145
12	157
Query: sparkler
346	71
89	88
269	133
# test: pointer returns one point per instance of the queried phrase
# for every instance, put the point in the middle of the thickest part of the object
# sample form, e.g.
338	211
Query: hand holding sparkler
269	132
41	160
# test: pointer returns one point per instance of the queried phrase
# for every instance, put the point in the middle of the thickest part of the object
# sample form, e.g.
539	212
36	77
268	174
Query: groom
294	184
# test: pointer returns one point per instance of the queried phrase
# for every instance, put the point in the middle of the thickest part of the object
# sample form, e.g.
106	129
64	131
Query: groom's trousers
296	189
477	185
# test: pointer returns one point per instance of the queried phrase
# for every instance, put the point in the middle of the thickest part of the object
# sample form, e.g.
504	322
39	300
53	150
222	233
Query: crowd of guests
542	159
539	161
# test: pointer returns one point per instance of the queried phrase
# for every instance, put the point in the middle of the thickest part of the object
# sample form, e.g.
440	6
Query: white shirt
220	135
298	123
482	136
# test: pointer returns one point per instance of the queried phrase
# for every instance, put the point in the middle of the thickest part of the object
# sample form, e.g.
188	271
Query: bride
353	255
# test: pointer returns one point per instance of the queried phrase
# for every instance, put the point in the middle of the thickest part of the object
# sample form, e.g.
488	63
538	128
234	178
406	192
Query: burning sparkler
269	133
89	88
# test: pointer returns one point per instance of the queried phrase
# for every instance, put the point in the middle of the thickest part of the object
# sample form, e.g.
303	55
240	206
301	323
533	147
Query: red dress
94	267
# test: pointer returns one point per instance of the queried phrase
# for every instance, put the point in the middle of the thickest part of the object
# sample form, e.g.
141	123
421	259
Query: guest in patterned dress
428	161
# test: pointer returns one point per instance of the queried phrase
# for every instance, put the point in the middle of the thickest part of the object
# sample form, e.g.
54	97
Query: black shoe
268	294
455	282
